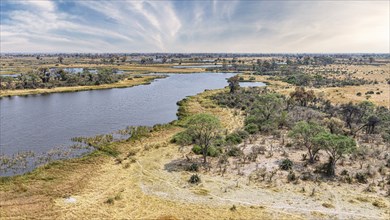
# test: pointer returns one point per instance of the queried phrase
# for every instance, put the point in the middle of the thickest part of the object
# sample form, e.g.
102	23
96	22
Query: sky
230	26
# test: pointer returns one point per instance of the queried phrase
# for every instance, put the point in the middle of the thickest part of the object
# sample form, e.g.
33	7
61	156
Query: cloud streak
194	26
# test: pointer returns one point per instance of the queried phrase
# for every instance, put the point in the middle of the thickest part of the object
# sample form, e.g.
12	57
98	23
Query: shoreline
185	109
145	80
100	185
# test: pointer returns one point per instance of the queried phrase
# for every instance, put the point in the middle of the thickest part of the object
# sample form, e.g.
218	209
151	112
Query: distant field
25	64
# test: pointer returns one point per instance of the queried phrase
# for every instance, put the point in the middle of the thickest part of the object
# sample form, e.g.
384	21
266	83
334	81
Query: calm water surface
40	122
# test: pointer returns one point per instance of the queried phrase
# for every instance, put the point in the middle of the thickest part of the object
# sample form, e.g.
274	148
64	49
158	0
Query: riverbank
98	186
141	182
121	84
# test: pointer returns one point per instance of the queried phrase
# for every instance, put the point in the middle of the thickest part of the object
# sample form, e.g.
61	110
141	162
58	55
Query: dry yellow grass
141	187
349	93
134	203
97	182
120	84
102	188
201	103
341	95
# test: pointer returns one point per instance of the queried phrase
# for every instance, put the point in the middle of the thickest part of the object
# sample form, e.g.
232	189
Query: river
39	123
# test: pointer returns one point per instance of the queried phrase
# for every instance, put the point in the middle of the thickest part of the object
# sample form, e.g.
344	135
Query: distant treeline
50	78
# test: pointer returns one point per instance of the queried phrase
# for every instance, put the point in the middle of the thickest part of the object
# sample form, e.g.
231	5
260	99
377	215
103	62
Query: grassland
345	94
143	183
103	188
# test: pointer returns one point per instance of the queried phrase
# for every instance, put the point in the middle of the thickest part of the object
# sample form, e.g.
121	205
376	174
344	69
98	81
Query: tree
357	116
349	112
302	96
266	112
304	133
234	83
204	129
335	146
335	125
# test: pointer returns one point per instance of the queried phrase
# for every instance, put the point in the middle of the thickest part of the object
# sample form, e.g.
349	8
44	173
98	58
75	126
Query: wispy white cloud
194	26
43	5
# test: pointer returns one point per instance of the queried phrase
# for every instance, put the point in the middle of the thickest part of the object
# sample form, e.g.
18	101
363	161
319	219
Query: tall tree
204	128
335	146
303	133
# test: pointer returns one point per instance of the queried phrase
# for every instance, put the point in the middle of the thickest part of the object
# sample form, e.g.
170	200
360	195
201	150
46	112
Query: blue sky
195	26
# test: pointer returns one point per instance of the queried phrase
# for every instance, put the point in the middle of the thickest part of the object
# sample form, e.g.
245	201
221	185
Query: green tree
204	129
266	111
335	146
303	133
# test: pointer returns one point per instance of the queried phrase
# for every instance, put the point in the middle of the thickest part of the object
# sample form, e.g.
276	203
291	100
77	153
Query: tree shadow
182	164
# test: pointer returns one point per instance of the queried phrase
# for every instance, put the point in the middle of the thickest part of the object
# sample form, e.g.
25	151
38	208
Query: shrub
234	152
194	179
359	94
286	164
110	201
182	138
193	167
243	134
268	126
211	151
361	177
291	176
307	176
344	172
252	128
233	138
219	142
197	149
